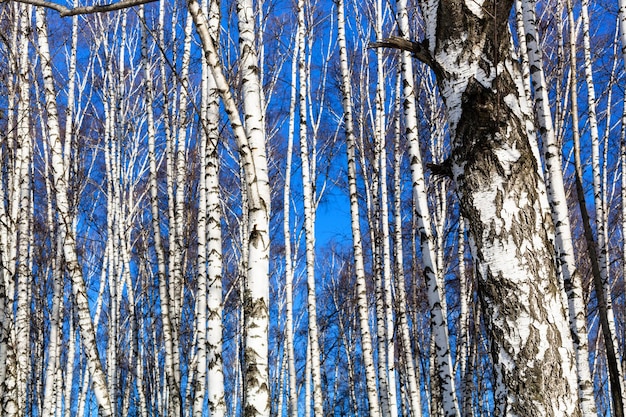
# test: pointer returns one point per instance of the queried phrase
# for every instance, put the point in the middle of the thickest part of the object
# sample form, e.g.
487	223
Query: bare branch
99	8
418	49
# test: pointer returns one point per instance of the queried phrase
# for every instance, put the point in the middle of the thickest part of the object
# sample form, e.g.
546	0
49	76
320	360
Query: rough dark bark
501	190
494	164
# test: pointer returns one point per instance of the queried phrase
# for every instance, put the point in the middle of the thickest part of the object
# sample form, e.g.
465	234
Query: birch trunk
464	331
616	373
164	298
443	359
8	229
598	260
201	297
53	386
406	99
215	393
558	204
256	292
500	187
251	142
60	165
308	180
178	177
21	334
69	367
622	27
5	276
52	383
289	272
388	331
366	339
176	159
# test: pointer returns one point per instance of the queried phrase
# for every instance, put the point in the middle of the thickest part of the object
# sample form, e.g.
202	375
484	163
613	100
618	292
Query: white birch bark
6	271
53	388
59	164
374	218
113	136
217	404
256	296
439	382
443	358
308	179
596	249
201	297
69	367
387	322
8	229
500	187
140	364
251	142
406	99
178	160
52	383
390	329
173	120
558	204
617	380
5	319
622	26
289	270
164	296
464	319
366	339
595	151
22	200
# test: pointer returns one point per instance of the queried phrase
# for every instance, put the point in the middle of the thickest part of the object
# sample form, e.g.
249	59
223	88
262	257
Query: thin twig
99	8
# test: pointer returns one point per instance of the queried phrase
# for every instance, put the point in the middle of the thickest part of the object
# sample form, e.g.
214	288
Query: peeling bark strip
495	166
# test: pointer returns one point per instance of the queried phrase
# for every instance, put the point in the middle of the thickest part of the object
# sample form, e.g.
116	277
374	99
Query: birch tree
251	142
210	305
407	98
502	195
10	45
164	298
308	179
558	204
289	270
8	231
386	328
366	339
20	288
614	364
60	165
596	249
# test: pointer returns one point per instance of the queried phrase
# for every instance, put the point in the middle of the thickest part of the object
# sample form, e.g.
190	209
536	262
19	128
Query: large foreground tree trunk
558	204
494	163
495	167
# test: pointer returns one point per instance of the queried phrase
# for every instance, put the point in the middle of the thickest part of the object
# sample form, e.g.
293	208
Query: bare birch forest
313	208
